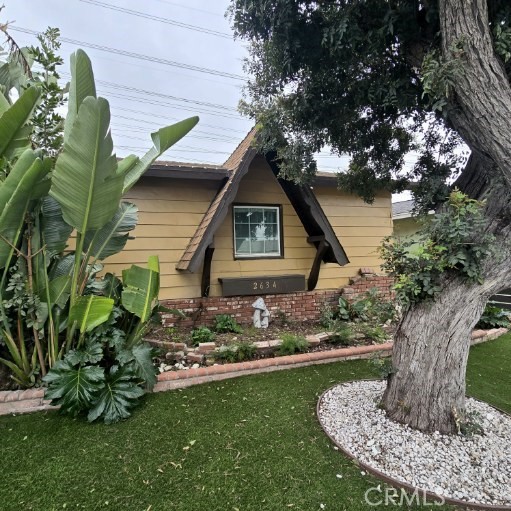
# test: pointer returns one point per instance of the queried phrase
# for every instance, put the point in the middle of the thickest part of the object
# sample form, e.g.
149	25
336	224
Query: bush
225	323
202	334
238	352
494	317
370	308
292	344
342	334
373	333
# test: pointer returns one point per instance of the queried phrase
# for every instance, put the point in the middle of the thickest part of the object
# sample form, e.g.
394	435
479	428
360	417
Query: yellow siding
360	228
170	211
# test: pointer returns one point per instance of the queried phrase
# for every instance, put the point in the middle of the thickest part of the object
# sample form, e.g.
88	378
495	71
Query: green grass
251	443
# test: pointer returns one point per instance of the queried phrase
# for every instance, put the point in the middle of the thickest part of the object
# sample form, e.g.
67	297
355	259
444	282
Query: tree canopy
366	77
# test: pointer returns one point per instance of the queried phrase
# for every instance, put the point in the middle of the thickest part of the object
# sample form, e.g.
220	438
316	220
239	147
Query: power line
152	17
190	8
137	56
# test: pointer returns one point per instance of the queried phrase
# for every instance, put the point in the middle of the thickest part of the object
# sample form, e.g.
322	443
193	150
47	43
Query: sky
157	62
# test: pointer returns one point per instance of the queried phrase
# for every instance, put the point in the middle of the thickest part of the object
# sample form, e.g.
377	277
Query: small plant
281	317
225	323
383	366
292	344
202	334
494	317
237	352
342	334
469	423
373	333
344	310
327	316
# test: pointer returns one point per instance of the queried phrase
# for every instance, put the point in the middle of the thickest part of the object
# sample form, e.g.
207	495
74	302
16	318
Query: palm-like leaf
75	389
162	140
119	395
141	289
82	86
91	353
14	131
112	237
85	181
16	192
90	311
58	291
56	232
144	366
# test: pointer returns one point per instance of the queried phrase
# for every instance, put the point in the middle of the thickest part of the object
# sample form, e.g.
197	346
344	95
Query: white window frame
258	255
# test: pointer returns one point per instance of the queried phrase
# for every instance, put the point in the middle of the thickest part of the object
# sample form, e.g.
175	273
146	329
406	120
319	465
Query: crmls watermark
378	496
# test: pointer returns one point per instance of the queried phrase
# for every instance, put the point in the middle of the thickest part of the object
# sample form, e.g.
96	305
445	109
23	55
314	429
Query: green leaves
163	139
85	180
14	131
74	389
20	187
90	311
117	397
144	367
141	289
112	237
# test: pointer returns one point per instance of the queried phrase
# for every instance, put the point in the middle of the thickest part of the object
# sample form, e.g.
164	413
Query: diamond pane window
257	231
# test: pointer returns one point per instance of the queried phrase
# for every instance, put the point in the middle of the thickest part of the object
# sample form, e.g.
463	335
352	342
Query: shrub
225	323
292	344
370	308
238	352
494	317
342	334
372	332
383	365
202	334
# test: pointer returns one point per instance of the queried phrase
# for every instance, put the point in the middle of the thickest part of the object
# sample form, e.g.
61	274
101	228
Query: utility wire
134	55
152	17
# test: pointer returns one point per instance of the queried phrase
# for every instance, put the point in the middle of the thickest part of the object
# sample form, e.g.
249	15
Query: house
227	234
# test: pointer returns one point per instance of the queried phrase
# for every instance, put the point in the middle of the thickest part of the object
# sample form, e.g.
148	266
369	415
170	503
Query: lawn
251	443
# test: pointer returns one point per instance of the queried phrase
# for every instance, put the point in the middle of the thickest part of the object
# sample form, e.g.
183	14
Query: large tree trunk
427	389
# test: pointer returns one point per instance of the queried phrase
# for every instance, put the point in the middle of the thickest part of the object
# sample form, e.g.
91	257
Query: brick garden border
32	400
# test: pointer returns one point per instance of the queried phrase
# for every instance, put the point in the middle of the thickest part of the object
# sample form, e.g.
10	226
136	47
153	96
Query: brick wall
300	306
366	281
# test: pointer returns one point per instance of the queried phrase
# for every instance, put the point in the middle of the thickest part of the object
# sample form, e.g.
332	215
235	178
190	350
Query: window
257	231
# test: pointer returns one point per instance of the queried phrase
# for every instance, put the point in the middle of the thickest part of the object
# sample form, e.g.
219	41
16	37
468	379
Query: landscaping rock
323	336
206	347
313	340
195	357
210	362
264	345
179	355
475	468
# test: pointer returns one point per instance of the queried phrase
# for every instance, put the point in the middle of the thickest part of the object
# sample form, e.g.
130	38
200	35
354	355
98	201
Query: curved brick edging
434	498
32	400
185	378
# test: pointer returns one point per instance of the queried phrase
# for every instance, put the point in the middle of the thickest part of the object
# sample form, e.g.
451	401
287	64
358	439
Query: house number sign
262	285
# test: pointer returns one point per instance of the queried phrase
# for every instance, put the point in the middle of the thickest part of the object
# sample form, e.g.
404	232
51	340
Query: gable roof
302	199
402	209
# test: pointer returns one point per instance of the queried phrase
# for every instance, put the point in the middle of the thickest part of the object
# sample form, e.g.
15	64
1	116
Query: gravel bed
475	469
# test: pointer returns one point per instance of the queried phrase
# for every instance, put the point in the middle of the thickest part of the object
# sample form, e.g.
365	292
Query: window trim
281	231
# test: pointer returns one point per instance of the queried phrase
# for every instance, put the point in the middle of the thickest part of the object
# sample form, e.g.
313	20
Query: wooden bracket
206	271
322	247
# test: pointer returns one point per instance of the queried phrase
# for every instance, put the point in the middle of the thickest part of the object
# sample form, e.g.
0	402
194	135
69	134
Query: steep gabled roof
302	199
237	164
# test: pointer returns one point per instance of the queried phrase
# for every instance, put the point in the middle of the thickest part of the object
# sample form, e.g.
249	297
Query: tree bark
427	389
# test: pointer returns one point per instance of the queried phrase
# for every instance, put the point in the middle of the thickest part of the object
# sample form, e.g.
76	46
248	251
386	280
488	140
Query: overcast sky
183	61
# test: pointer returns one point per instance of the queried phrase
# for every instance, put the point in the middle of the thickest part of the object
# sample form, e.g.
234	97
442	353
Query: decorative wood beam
322	247
206	271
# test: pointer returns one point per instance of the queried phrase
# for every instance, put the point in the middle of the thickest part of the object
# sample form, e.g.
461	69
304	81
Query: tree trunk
431	347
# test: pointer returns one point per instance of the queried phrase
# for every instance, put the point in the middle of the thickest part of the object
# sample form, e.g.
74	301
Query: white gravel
475	469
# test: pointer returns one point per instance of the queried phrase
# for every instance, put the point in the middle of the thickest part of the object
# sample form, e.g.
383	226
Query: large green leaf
145	369
58	291
119	395
16	192
56	232
81	86
162	140
85	182
75	389
62	266
90	311
91	353
14	131
112	237
140	294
